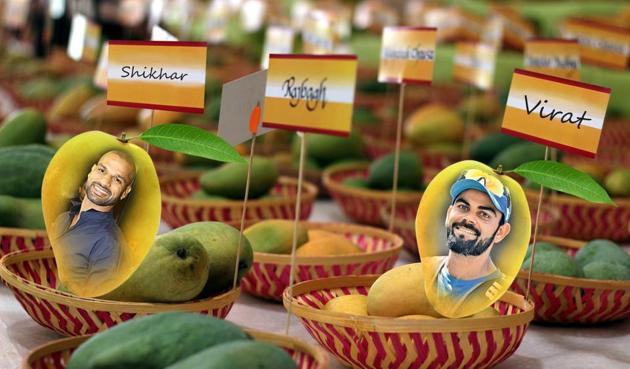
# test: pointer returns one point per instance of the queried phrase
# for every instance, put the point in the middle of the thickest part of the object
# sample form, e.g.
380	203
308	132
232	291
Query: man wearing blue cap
477	220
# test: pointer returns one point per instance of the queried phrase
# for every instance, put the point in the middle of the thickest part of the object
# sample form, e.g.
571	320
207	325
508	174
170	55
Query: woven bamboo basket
568	300
363	205
178	209
405	224
585	220
55	354
369	342
18	239
32	277
270	273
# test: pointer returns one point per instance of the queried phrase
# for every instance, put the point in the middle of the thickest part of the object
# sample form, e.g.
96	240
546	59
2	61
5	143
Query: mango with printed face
472	227
101	204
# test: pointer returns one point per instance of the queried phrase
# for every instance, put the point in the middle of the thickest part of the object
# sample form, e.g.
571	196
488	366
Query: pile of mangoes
178	340
381	173
615	181
435	128
598	259
276	237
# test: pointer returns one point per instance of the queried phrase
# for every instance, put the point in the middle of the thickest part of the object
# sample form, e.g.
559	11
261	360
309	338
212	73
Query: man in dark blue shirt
90	241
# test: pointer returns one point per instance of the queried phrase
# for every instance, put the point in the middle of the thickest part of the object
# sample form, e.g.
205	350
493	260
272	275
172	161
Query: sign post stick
467	123
401	102
295	226
531	265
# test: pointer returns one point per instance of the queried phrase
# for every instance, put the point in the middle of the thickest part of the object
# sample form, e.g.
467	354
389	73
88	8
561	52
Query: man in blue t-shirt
477	219
90	242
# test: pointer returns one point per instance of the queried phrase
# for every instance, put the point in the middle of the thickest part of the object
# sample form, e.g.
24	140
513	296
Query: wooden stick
531	264
296	224
401	103
467	122
151	126
240	237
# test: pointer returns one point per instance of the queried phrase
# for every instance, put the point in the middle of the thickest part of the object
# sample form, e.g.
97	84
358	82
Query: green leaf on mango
563	178
192	141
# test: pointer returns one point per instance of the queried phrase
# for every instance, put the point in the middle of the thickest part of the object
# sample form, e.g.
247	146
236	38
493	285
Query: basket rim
317	352
52	295
285	259
309	193
561	280
23	232
385	324
336	187
561	199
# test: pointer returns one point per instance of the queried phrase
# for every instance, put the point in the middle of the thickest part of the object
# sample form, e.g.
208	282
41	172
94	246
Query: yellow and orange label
516	30
85	39
278	40
100	75
601	44
407	55
474	64
163	75
558	112
318	34
310	93
555	57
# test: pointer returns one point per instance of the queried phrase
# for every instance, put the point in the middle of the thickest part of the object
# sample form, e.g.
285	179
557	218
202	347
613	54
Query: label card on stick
474	64
557	112
100	75
238	98
601	44
556	57
318	34
278	40
310	93
85	38
161	75
516	30
160	34
407	55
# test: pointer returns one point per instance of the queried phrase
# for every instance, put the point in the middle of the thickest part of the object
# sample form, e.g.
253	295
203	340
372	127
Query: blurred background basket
569	300
55	355
18	239
32	277
178	209
378	342
270	273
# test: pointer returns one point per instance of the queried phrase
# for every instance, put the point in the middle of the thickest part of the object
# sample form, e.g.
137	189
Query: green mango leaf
563	178
192	141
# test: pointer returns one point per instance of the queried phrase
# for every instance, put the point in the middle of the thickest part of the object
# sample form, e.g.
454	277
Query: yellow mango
349	304
332	245
417	317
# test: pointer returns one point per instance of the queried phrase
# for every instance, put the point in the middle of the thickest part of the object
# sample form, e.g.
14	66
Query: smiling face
110	179
473	224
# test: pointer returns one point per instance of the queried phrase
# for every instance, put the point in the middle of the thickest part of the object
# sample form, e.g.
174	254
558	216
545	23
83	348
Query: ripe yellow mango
349	304
331	245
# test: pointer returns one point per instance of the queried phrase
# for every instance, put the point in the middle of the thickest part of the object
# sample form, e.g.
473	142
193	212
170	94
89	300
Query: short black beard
467	247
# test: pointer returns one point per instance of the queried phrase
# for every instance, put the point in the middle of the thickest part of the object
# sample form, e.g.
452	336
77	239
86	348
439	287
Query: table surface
605	346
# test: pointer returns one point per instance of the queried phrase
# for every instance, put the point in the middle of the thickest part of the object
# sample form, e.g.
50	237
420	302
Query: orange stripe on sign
156	93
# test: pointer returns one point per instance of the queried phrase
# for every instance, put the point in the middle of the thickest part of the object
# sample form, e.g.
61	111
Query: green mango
554	263
23	169
175	269
542	247
606	270
237	355
229	179
356	183
21	213
221	243
517	154
40	89
485	149
274	236
153	342
202	195
23	127
381	172
327	149
602	250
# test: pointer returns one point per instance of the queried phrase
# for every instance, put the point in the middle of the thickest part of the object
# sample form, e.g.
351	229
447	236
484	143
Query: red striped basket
18	239
583	220
568	300
370	342
55	355
270	273
363	205
32	277
178	209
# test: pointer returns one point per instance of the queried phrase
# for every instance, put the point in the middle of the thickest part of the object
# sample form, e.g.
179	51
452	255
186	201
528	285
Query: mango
417	317
597	172
319	234
238	354
356	183
557	263
606	270
485	149
517	154
542	247
399	292
488	312
274	236
154	341
602	250
433	123
202	195
23	127
348	304
23	169
57	141
21	213
617	183
40	89
480	107
69	103
97	113
221	243
327	149
329	246
148	118
381	172
175	269
229	179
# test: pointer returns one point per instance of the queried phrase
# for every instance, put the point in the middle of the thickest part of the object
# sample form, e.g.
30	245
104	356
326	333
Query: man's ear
125	192
502	232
